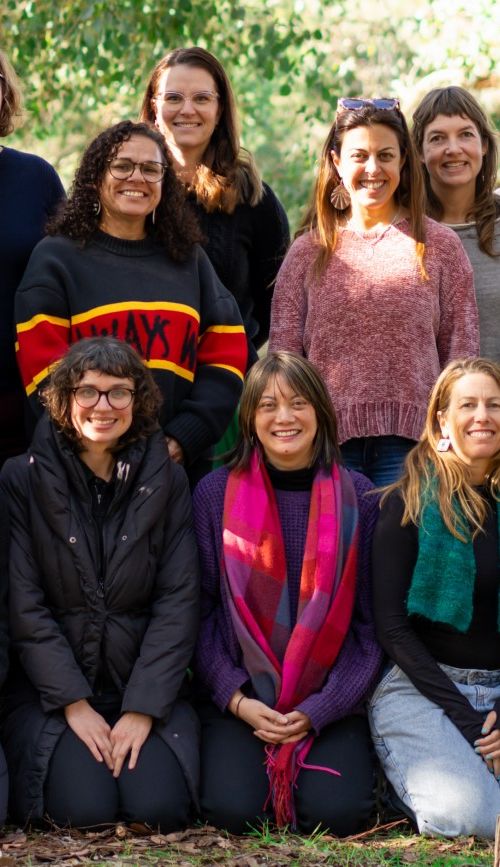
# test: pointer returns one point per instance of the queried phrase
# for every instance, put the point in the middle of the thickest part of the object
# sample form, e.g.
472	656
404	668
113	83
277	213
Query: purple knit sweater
218	659
376	330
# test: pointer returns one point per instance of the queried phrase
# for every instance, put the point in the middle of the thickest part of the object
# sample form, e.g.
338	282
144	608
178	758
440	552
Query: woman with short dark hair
30	191
122	259
103	604
287	652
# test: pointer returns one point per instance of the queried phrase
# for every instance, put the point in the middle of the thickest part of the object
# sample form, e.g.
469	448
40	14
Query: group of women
229	663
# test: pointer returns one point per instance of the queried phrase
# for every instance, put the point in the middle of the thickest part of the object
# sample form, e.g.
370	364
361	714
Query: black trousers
234	783
81	792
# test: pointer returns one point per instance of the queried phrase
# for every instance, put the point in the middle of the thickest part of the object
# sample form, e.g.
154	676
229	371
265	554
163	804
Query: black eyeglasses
123	169
118	397
386	103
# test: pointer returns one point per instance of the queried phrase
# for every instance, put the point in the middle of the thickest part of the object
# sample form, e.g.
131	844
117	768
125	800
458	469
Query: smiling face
125	204
472	422
101	426
285	425
369	164
452	151
187	128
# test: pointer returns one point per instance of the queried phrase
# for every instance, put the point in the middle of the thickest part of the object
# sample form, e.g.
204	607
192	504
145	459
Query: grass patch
392	845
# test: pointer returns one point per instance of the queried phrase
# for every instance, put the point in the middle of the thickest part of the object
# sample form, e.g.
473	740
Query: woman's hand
488	747
91	728
268	724
175	450
298	726
127	736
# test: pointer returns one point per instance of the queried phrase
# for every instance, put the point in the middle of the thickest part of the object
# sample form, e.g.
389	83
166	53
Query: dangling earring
340	197
443	444
153	216
97	207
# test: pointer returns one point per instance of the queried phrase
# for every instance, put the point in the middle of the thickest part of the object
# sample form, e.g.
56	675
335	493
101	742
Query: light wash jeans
433	769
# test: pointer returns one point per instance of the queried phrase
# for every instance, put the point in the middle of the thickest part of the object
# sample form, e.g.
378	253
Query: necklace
373	240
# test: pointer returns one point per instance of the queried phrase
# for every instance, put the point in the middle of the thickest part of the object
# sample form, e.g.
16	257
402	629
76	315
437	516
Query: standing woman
30	190
189	98
103	604
458	148
435	716
378	296
122	259
287	652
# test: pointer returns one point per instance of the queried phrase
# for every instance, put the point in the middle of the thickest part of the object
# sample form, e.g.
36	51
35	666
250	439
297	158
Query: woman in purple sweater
374	293
287	651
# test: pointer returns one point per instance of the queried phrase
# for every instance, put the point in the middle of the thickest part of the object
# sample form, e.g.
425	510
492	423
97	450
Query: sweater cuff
223	693
312	706
191	433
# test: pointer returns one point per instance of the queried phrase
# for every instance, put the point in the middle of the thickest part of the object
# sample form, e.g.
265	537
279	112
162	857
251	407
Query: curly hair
11	96
114	358
453	101
227	175
298	373
175	226
323	218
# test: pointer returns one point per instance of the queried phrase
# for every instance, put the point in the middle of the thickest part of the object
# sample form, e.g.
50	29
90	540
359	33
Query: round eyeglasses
118	397
173	100
123	169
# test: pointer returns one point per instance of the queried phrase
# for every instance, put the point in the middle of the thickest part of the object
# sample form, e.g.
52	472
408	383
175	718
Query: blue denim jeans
433	769
379	458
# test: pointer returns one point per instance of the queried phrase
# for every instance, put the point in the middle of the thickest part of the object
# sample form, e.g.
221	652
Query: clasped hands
488	746
269	725
111	745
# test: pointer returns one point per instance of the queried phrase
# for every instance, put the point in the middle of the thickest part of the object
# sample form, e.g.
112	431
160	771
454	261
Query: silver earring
339	197
153	216
443	444
97	207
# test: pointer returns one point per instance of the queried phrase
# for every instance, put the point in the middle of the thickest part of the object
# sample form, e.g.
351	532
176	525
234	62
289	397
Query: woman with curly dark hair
30	189
122	259
103	604
190	100
457	145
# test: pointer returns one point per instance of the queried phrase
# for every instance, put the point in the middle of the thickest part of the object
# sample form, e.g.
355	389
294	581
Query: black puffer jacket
136	613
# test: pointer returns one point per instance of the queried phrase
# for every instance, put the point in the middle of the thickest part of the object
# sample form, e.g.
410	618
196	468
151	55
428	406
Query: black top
416	644
291	480
246	249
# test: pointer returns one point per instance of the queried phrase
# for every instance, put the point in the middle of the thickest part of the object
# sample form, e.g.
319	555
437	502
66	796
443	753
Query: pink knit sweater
377	331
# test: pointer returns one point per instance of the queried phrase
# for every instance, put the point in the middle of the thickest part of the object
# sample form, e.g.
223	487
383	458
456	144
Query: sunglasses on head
347	103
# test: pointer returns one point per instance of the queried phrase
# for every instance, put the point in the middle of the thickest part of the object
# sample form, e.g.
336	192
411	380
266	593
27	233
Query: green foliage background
85	64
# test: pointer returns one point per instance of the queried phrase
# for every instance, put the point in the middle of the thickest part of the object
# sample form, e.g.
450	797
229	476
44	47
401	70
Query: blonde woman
435	716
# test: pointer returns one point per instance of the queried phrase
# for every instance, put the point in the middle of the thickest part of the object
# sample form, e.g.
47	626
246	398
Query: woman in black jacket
103	604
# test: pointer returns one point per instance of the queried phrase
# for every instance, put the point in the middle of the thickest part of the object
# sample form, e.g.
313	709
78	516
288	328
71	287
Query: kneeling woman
435	716
104	604
287	651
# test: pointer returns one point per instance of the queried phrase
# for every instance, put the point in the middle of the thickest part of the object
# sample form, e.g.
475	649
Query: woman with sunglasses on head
378	296
103	604
435	716
122	259
457	146
30	191
287	652
190	100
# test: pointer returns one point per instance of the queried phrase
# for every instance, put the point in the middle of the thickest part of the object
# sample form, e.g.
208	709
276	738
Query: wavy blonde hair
323	219
425	465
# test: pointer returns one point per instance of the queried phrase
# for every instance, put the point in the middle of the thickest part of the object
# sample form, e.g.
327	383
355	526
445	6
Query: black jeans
81	792
234	784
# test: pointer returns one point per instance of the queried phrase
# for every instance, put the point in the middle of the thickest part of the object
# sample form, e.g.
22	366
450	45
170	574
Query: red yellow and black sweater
179	317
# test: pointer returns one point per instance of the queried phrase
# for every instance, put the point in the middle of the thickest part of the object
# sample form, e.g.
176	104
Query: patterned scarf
288	664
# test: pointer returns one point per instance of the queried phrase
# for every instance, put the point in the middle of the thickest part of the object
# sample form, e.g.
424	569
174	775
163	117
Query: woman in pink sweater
379	297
